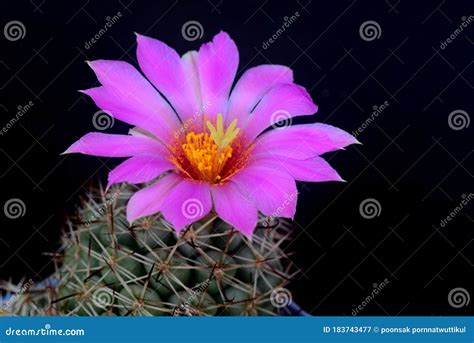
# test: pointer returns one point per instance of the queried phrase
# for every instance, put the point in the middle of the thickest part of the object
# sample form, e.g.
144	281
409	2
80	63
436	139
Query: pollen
207	154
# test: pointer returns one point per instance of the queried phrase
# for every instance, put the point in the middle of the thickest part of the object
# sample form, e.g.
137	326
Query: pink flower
206	145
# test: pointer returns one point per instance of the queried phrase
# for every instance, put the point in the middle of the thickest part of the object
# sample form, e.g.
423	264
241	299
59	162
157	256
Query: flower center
205	156
210	157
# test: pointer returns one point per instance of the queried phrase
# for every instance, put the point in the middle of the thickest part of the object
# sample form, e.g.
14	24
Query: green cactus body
110	268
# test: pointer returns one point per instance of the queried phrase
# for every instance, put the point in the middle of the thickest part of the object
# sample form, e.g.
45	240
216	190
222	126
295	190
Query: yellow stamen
208	153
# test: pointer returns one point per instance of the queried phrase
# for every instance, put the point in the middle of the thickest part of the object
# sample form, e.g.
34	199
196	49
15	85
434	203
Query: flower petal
235	208
150	199
164	68
111	145
314	169
186	203
302	141
139	169
252	86
273	191
217	63
129	97
282	102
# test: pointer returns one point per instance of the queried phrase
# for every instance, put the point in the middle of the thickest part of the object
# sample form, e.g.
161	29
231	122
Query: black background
411	161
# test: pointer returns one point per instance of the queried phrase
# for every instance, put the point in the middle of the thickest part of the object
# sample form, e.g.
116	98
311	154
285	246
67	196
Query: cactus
108	267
